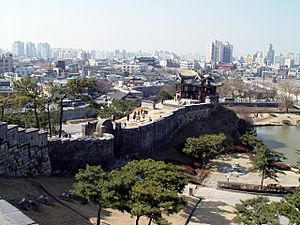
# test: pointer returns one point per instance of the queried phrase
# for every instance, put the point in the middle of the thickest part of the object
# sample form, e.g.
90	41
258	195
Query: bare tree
102	86
286	93
231	88
297	93
244	113
271	94
249	93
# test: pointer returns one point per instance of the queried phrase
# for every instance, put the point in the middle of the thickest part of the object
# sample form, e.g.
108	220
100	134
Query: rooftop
12	126
10	215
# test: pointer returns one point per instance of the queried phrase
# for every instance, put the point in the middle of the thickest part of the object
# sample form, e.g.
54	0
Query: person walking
134	116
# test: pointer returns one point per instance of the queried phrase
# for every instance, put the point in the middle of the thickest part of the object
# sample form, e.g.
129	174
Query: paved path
229	197
217	206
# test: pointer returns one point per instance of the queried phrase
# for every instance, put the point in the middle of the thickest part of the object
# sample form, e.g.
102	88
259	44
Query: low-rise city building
6	63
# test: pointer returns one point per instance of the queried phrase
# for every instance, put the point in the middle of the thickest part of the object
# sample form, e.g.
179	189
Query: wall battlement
23	152
28	152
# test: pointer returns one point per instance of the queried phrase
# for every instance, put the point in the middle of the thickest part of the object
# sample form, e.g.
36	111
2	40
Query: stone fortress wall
153	135
67	156
29	152
173	128
23	152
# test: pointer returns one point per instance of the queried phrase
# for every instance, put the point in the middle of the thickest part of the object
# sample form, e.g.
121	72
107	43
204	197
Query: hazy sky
175	25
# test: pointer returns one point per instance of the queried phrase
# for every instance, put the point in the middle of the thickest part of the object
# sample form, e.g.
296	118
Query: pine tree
264	162
205	147
148	188
92	184
256	211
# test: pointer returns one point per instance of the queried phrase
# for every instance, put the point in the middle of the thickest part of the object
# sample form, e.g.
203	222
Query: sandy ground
14	189
289	178
118	218
275	118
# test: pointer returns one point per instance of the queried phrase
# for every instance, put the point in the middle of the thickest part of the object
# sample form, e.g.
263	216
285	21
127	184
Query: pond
285	139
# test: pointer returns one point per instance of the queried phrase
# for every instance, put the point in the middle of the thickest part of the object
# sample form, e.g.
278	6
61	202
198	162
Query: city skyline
138	25
223	53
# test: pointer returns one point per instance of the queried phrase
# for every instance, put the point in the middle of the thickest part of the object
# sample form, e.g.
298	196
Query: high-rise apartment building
18	48
279	60
214	51
269	54
6	63
31	49
227	53
260	58
44	50
289	63
219	52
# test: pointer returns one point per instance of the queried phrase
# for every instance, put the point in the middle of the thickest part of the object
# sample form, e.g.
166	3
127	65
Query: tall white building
44	50
269	54
289	62
279	60
297	59
18	48
214	51
219	52
31	49
260	59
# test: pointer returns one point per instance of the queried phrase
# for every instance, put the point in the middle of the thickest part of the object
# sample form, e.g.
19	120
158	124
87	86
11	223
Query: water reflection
283	139
273	143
